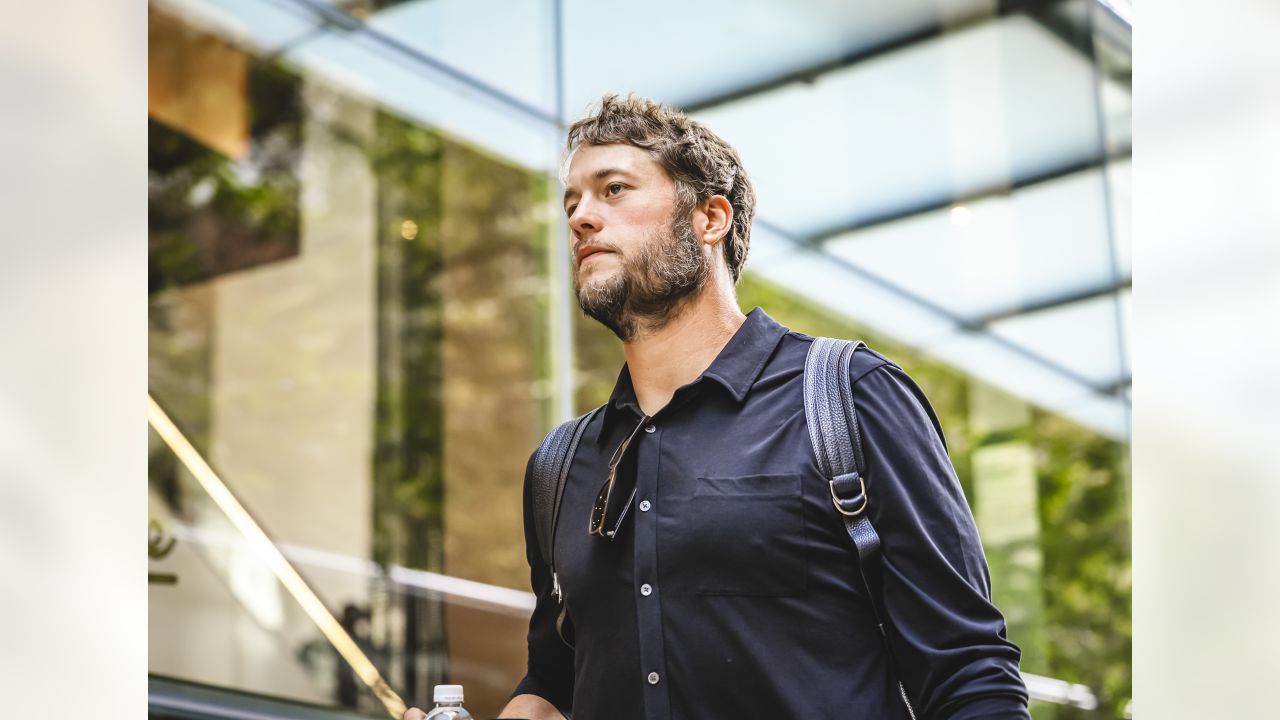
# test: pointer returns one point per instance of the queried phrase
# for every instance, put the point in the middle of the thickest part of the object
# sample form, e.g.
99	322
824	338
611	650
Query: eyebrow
598	175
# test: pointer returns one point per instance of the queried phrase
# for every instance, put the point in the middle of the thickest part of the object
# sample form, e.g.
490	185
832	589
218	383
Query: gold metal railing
267	550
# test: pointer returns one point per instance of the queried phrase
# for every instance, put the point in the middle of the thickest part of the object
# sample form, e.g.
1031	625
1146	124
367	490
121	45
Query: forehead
589	160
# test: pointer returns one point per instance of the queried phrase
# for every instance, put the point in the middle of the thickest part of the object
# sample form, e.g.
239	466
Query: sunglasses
600	510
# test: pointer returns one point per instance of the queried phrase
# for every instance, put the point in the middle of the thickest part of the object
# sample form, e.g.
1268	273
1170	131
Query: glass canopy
957	172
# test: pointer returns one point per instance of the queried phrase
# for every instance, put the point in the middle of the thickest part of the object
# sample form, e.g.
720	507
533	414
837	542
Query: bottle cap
448	693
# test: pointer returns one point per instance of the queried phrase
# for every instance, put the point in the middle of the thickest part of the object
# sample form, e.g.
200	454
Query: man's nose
585	219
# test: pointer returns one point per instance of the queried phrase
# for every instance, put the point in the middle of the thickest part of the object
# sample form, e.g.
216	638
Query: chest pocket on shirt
748	533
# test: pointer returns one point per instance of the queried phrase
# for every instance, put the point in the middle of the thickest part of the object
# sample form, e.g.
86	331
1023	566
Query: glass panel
995	254
480	37
778	38
349	322
970	113
407	82
1071	334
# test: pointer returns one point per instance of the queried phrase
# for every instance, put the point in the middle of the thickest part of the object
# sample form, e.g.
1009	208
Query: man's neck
661	361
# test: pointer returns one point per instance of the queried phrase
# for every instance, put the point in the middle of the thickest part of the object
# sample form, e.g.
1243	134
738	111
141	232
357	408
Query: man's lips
589	251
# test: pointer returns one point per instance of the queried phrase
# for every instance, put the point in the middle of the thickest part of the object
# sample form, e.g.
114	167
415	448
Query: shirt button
646	589
644	506
653	678
649	428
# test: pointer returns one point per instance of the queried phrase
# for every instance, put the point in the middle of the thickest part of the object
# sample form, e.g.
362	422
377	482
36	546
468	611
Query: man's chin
594	300
596	280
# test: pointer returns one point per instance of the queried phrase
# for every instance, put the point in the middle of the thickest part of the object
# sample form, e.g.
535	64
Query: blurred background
361	321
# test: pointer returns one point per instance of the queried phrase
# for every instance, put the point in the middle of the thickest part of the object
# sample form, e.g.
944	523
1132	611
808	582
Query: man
721	582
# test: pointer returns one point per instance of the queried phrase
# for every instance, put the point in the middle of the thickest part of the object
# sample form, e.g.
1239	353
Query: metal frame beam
935	204
1055	302
337	20
812	73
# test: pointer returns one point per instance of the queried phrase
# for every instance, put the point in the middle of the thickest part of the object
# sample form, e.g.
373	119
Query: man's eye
569	210
614	188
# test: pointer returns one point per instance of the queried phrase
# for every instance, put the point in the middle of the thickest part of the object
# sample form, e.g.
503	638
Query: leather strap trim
837	444
551	464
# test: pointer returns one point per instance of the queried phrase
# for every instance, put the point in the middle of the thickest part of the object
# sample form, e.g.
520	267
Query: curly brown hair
699	162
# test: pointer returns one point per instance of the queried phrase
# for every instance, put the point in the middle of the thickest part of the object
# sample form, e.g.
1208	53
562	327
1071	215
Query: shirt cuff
530	686
1004	707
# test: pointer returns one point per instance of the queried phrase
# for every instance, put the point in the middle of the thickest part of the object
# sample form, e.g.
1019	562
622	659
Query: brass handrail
271	555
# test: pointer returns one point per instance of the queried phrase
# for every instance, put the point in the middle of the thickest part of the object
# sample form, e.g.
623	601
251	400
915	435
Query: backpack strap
837	444
551	464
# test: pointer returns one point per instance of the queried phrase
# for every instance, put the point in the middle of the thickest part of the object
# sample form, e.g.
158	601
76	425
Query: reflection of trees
461	291
408	461
460	288
1084	515
210	214
597	359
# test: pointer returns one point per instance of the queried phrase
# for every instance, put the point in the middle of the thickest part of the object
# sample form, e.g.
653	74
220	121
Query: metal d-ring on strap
836	499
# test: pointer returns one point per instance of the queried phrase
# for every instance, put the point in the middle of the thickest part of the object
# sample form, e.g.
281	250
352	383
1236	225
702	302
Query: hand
525	707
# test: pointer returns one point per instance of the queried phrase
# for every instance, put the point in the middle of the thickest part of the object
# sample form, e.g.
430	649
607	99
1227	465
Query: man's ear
712	219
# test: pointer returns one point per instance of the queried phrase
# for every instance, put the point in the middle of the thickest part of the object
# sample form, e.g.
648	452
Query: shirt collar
736	368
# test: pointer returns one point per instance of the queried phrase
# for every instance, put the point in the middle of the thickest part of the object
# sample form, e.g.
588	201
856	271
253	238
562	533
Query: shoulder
881	386
864	362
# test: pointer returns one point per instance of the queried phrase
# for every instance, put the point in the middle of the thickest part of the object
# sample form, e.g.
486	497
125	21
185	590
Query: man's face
635	256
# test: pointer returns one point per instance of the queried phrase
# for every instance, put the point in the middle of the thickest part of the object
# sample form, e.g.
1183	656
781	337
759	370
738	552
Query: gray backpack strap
837	444
551	464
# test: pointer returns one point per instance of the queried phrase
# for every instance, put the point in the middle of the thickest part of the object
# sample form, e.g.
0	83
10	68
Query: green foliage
409	432
209	214
1085	521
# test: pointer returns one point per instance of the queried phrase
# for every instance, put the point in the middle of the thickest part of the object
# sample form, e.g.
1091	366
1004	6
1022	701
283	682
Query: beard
652	284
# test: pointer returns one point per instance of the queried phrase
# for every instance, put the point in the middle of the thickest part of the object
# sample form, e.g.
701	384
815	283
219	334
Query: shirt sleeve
550	669
948	640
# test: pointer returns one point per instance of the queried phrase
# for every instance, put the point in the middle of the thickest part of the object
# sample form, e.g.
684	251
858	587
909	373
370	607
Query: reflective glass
348	322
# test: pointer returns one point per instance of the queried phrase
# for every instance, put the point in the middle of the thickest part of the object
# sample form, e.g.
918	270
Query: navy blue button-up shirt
731	589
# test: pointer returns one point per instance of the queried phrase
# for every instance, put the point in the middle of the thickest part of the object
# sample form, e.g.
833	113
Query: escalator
175	699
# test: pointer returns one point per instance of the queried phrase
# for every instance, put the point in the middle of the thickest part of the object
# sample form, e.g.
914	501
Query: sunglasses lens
600	510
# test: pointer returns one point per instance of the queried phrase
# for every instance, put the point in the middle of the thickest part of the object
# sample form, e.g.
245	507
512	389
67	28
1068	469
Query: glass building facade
361	320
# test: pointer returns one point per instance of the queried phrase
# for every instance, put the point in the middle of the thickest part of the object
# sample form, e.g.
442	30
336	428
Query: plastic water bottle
448	704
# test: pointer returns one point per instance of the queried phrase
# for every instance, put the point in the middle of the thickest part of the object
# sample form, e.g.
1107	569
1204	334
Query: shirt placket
647	588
